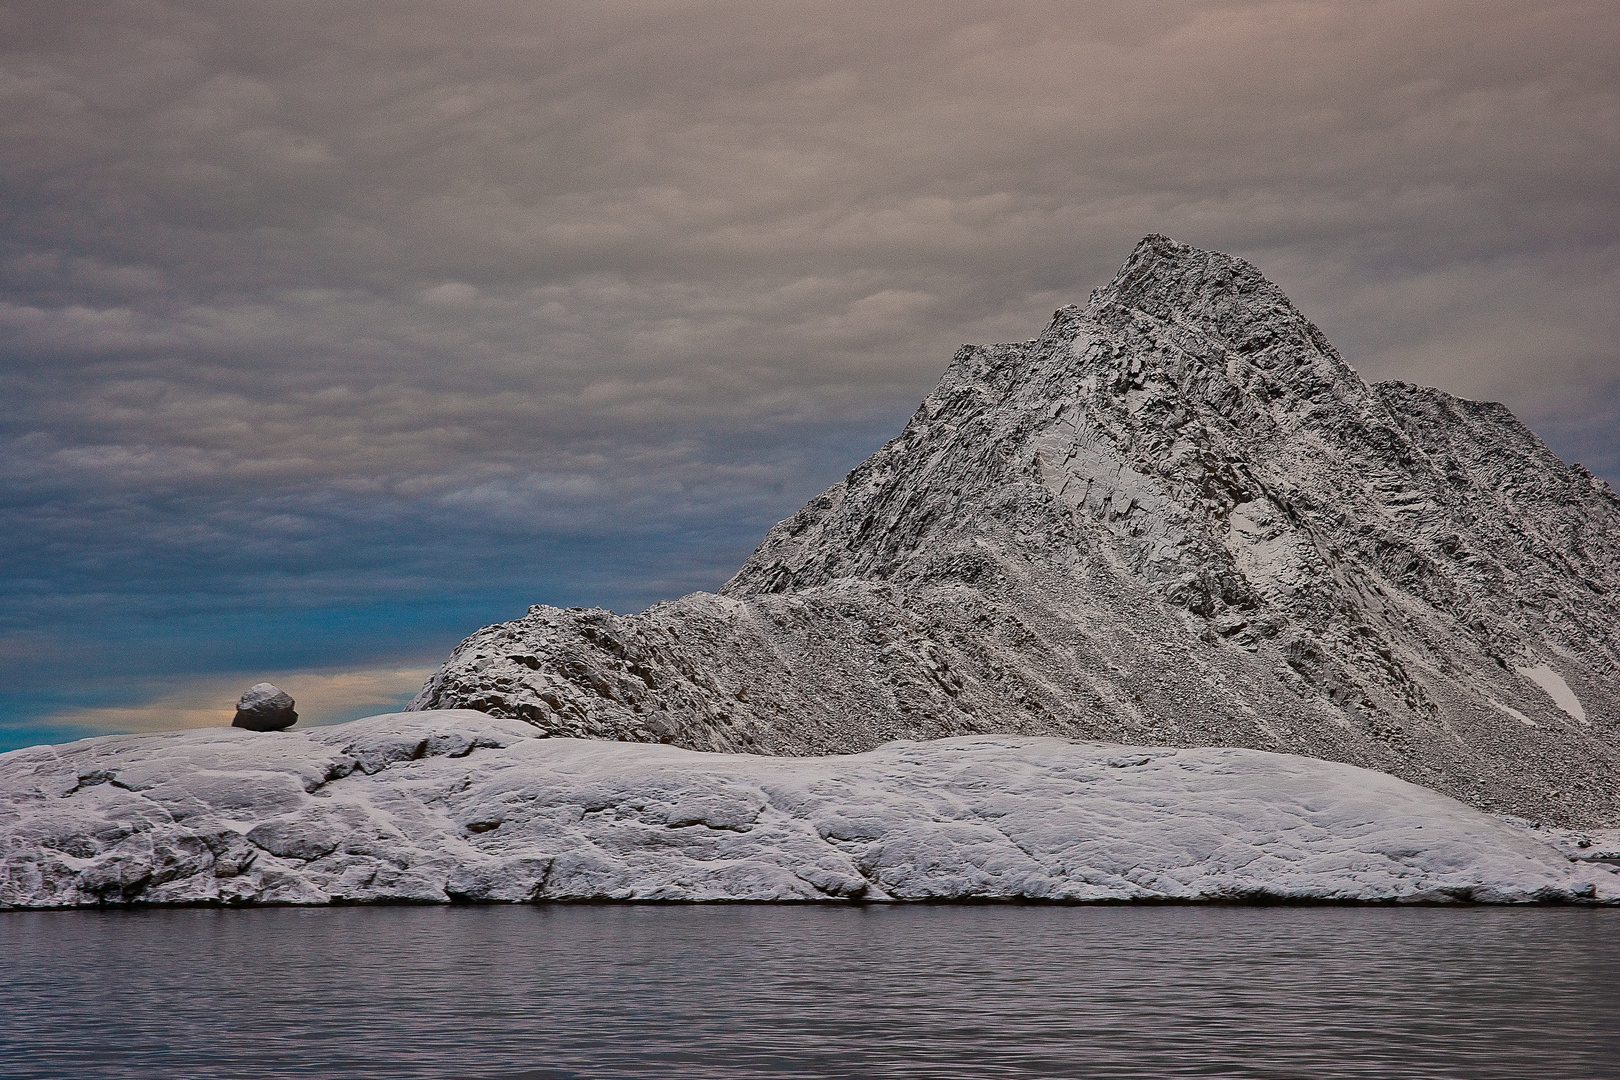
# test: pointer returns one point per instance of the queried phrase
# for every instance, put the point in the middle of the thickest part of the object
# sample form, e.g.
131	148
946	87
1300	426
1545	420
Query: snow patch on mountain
1549	680
1508	710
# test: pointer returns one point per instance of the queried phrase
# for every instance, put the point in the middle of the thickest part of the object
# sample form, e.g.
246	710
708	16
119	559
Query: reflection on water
546	993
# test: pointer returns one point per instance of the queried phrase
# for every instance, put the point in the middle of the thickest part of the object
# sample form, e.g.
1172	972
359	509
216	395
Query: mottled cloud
362	323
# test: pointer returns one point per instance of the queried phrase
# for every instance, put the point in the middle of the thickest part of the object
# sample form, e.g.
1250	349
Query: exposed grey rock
1176	517
265	708
441	806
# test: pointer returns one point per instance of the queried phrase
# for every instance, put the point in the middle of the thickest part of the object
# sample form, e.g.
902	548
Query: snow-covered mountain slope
440	806
1176	517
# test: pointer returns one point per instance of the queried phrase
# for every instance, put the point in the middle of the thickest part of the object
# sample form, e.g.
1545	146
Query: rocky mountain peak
1176	515
1170	281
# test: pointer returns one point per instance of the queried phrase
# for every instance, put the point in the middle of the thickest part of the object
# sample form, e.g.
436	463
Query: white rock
457	805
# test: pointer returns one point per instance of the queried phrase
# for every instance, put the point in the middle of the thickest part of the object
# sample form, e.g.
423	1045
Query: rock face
1177	517
265	708
441	806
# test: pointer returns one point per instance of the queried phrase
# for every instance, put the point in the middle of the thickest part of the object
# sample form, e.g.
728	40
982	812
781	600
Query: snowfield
459	806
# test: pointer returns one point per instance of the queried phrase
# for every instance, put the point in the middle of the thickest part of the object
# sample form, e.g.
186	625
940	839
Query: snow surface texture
1177	517
456	805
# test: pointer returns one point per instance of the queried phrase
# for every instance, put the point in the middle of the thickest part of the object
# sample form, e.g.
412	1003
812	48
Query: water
548	993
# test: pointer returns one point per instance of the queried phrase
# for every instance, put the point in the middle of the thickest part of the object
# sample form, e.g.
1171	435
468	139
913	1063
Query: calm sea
546	993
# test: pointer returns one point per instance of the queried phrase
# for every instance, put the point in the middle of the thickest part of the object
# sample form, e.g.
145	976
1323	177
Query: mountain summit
1175	517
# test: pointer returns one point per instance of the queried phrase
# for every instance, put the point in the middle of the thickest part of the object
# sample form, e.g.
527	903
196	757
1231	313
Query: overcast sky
332	331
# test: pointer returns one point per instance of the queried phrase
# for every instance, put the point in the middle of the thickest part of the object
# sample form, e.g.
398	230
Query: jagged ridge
1177	516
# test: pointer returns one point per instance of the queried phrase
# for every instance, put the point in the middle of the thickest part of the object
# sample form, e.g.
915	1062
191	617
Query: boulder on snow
265	708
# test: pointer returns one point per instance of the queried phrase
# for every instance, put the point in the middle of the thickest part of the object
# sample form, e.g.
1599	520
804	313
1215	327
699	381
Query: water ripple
563	992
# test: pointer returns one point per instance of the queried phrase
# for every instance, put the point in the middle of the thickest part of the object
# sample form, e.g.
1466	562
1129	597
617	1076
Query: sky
331	332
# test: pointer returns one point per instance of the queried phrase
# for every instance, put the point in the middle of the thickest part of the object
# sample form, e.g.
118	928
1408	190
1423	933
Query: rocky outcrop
265	708
457	806
1177	517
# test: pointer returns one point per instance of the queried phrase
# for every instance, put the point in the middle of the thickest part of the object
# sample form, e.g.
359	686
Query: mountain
1177	517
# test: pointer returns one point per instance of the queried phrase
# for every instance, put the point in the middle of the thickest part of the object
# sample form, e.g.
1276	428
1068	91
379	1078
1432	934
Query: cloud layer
357	325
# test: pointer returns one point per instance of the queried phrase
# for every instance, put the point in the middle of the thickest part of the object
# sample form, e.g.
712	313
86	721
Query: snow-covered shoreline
439	807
